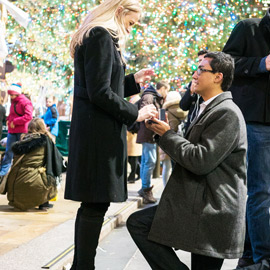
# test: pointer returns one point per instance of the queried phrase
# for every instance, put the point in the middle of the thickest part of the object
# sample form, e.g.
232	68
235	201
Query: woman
175	116
134	150
97	166
29	181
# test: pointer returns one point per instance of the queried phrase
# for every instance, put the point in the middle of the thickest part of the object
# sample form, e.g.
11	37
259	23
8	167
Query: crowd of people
214	146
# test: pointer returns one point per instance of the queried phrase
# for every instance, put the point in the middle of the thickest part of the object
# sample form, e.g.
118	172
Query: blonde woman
96	172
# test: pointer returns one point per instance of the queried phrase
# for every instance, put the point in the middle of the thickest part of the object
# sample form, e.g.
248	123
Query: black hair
224	63
202	52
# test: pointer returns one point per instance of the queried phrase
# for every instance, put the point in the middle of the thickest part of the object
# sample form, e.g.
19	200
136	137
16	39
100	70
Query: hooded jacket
28	184
21	110
149	96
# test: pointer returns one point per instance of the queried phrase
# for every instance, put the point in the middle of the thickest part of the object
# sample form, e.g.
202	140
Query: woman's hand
159	127
146	112
144	75
12	125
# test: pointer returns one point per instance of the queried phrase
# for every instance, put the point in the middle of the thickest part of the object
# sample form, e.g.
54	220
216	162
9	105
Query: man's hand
192	88
12	125
144	75
159	127
267	62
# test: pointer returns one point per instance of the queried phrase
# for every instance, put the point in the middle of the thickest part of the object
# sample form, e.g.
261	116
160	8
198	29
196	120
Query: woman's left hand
159	127
144	75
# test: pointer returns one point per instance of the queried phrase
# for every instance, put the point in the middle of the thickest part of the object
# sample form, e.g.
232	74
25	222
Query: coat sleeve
216	142
187	100
131	87
236	46
98	64
27	116
146	100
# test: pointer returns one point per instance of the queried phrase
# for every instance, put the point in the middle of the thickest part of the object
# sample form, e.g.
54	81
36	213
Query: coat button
246	71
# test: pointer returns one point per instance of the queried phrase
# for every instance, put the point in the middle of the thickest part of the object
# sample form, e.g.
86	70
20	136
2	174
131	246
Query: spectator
202	209
2	116
20	115
249	44
145	137
191	101
37	163
51	118
134	150
175	117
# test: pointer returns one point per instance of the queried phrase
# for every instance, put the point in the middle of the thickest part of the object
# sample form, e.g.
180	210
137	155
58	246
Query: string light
167	39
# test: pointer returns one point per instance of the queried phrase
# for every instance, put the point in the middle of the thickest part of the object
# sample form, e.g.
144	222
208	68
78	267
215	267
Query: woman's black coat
97	152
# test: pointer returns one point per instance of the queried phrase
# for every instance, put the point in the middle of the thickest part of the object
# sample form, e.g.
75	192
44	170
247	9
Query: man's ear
219	77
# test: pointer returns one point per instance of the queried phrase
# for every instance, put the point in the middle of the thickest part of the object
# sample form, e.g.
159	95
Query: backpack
134	128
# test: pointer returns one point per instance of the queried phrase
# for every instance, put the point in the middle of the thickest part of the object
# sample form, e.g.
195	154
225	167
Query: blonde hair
37	125
105	15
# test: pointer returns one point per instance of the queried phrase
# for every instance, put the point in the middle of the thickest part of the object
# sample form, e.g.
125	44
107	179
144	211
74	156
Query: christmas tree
168	38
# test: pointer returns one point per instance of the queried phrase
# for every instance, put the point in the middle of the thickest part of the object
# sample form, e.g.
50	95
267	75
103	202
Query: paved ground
33	239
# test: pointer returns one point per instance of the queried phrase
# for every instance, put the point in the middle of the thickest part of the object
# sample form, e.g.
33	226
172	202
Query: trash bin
62	140
4	135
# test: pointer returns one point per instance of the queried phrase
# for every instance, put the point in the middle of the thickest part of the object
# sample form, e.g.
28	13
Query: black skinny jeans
90	217
161	257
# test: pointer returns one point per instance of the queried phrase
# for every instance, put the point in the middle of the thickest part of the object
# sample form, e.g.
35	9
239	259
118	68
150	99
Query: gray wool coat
202	209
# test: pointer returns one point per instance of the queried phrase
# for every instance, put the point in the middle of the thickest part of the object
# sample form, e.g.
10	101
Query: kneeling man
202	209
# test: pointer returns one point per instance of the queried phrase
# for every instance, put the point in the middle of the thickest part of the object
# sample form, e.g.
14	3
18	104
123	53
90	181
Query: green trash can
62	140
4	135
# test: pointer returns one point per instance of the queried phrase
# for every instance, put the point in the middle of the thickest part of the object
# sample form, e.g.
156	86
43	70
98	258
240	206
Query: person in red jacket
20	115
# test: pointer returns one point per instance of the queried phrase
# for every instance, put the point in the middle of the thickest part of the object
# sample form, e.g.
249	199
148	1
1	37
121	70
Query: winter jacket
149	96
51	119
28	185
174	113
248	44
20	114
202	209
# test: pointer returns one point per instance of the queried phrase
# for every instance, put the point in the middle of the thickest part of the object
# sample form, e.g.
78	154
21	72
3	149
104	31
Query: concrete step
51	246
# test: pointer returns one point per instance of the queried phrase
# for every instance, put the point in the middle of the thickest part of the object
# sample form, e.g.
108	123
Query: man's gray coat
202	209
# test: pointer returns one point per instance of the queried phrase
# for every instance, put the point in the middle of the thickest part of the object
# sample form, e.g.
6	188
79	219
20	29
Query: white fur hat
173	97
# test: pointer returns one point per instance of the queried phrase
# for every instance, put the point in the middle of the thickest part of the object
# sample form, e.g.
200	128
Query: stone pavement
35	239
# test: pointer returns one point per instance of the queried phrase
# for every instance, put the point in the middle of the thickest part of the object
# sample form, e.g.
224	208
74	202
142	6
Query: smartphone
162	114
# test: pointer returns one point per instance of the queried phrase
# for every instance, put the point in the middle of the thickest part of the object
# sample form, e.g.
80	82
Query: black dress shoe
244	262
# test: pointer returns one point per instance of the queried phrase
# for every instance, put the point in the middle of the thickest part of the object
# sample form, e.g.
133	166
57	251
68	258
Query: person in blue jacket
51	117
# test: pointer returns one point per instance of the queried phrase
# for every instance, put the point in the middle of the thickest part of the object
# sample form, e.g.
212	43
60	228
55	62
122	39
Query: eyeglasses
201	70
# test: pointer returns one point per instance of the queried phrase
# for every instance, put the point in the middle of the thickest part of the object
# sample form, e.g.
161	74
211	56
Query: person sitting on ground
32	180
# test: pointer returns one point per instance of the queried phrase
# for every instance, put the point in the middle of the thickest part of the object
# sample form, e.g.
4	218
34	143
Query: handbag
4	178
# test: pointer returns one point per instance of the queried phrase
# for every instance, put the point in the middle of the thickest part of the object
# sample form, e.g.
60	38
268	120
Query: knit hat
15	89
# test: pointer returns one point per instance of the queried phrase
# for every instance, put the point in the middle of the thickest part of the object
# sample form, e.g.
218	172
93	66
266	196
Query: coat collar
219	99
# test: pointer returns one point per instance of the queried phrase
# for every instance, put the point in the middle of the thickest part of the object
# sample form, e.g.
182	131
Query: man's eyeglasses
201	70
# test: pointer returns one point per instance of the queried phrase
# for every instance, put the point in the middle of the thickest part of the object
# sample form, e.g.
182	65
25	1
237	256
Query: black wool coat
249	43
97	161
